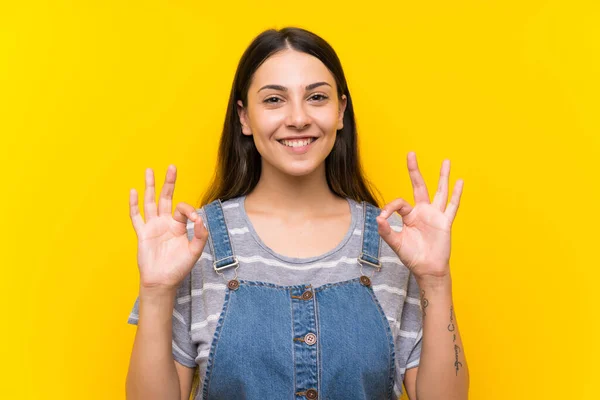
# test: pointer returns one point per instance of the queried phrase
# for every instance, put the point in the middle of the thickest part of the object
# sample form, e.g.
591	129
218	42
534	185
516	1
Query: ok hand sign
423	244
165	255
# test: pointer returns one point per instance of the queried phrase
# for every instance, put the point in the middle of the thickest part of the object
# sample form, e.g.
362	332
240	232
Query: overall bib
299	342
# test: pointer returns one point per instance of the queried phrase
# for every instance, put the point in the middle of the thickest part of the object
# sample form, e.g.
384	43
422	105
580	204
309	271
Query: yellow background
93	92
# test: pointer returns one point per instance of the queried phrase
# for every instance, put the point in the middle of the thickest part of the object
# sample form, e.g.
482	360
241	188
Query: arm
443	371
423	246
153	373
186	379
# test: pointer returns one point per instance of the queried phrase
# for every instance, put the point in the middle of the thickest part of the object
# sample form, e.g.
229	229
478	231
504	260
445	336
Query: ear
342	107
243	115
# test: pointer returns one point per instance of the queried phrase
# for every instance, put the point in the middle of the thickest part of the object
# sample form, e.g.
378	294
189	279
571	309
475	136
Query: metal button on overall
365	280
307	295
311	394
310	339
233	284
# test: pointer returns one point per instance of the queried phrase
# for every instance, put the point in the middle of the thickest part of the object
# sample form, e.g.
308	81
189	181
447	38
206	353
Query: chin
298	172
295	168
303	169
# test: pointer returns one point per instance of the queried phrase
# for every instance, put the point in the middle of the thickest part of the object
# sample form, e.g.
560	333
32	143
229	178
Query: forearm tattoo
424	302
451	328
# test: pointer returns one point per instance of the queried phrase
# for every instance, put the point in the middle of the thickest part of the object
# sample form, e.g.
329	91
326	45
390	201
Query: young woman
306	289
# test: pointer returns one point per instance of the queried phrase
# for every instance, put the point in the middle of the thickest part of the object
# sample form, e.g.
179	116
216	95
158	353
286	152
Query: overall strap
371	240
219	237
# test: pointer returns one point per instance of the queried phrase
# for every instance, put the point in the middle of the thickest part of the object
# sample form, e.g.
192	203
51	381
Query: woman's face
293	112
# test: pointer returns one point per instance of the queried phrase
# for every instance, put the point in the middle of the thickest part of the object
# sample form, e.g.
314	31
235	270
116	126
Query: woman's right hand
165	255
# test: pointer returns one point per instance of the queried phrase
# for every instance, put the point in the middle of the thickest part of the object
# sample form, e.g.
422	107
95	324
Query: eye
268	100
318	97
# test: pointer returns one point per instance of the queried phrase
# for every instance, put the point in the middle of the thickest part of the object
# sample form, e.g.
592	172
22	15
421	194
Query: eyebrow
284	89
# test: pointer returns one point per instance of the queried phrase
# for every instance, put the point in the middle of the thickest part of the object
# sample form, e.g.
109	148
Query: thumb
198	242
391	237
383	228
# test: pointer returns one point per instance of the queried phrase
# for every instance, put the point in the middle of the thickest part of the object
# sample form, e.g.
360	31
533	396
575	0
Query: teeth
297	143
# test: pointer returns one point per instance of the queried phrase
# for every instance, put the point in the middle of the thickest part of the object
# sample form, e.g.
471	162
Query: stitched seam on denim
226	230
271	285
363	245
365	250
372	209
378	238
318	333
293	344
388	332
330	285
224	239
213	347
300	286
364	228
220	222
313	321
210	236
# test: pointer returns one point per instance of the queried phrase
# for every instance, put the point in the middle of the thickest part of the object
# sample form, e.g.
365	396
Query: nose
297	116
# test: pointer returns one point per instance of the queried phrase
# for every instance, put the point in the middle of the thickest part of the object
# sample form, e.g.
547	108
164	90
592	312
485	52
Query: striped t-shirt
200	296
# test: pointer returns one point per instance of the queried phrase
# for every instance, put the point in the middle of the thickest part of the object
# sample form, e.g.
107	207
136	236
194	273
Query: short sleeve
184	350
409	338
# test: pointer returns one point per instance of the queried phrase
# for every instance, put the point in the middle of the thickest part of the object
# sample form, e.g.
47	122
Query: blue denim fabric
262	347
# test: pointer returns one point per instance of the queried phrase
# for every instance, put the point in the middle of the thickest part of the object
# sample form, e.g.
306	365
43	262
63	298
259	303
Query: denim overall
299	342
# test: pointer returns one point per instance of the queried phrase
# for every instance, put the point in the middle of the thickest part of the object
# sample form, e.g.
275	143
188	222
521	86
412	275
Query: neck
292	196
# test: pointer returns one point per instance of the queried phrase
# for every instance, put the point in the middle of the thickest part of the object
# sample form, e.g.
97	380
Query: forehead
291	68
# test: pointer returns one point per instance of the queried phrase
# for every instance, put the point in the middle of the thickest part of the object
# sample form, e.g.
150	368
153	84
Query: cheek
266	122
264	126
326	120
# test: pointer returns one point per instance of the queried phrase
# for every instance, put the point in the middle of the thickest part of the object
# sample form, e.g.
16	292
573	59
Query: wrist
435	283
157	293
156	305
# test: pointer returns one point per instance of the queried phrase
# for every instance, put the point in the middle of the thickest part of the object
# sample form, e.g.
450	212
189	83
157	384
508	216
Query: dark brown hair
239	162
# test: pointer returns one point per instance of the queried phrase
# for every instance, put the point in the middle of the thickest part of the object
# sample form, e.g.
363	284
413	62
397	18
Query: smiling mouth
297	142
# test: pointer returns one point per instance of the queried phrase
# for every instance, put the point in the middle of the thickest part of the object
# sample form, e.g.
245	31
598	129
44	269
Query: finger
419	188
387	233
200	236
454	200
149	196
183	213
134	212
399	204
165	201
384	226
441	196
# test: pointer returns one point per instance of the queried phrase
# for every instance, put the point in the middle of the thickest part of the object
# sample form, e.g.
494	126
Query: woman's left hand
423	244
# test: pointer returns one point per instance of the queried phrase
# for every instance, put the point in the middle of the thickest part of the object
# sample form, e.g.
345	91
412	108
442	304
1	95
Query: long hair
239	162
